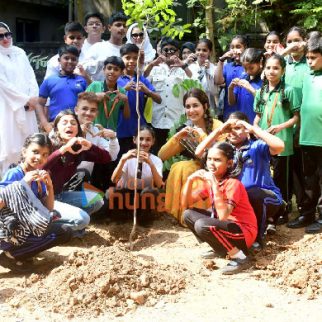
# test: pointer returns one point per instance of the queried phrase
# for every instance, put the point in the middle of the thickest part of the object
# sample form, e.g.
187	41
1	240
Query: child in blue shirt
225	73
62	89
127	127
242	90
254	157
39	188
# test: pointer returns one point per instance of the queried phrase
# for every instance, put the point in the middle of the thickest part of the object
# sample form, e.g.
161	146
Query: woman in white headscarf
18	96
135	35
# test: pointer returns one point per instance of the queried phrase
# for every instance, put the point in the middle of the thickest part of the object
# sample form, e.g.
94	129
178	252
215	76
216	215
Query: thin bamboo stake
138	148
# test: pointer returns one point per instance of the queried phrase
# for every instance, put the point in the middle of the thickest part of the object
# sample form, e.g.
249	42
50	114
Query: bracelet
222	59
184	66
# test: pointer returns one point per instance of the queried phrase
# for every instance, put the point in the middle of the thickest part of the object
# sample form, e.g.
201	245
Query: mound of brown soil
297	265
100	279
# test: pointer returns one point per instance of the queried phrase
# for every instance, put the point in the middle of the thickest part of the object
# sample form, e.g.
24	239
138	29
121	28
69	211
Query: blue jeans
88	200
71	216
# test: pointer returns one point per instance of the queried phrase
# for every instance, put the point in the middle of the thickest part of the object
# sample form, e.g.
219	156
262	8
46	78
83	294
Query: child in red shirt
231	227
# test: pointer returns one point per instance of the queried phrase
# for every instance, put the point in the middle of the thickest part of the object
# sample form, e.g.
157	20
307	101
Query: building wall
51	17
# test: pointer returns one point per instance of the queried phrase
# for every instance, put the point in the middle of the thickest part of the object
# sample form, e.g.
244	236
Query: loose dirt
164	279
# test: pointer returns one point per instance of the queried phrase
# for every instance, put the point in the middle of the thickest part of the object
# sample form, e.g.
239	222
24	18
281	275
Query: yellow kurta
178	175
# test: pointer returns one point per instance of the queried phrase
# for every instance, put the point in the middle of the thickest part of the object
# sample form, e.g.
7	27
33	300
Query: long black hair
281	85
202	97
228	151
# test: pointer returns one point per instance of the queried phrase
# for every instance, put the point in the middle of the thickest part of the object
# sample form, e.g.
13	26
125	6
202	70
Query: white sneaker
209	254
271	229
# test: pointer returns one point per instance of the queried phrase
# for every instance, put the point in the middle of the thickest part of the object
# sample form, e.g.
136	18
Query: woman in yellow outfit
187	137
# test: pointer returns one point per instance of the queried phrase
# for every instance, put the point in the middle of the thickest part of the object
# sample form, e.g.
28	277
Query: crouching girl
230	227
28	224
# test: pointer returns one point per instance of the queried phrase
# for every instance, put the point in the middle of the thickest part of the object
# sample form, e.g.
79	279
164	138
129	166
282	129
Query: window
27	30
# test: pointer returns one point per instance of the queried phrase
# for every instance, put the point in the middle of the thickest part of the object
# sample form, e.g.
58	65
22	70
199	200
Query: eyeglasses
141	34
7	35
169	50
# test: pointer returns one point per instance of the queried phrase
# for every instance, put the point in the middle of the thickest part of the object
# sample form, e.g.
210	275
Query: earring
205	116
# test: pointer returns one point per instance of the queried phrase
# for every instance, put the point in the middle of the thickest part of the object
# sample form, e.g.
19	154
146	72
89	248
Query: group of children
211	148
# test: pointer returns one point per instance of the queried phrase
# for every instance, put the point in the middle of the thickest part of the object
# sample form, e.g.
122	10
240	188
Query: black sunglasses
141	34
169	50
8	35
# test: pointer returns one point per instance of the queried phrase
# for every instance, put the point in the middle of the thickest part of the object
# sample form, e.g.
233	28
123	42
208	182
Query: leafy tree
155	15
309	14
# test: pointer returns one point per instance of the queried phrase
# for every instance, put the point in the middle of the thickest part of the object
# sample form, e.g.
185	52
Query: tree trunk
209	14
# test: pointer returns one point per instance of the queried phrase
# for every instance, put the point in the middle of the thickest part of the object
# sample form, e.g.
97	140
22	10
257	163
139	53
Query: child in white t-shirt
149	175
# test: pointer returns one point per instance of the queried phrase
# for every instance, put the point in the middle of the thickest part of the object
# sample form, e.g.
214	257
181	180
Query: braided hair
284	100
202	97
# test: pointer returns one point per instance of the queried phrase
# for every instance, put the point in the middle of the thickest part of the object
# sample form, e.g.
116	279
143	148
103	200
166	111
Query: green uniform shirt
296	72
281	113
110	121
311	110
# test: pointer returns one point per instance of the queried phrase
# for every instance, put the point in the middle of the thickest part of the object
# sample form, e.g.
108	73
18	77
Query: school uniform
108	117
53	65
230	71
264	196
311	144
273	112
245	99
295	73
63	92
127	127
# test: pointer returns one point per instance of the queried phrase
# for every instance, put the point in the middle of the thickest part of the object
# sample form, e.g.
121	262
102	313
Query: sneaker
256	247
14	265
209	254
271	229
236	265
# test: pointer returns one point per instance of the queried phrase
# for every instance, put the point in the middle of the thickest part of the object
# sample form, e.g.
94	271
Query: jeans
71	216
90	201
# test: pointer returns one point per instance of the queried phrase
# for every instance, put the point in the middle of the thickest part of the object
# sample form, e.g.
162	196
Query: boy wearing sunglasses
165	72
74	36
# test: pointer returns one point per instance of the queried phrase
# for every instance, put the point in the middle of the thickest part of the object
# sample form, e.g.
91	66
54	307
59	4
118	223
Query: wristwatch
184	66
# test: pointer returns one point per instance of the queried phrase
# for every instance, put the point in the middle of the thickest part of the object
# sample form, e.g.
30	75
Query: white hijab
11	50
149	51
17	84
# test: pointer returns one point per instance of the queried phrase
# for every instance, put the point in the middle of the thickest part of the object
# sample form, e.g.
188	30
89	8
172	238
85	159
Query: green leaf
176	90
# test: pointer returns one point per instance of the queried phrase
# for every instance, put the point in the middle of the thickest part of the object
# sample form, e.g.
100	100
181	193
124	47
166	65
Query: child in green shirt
311	139
113	99
296	71
277	111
